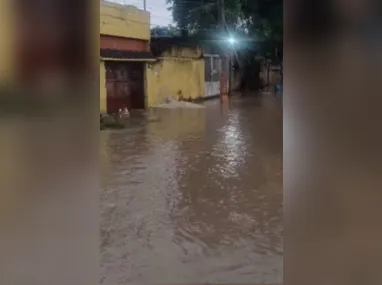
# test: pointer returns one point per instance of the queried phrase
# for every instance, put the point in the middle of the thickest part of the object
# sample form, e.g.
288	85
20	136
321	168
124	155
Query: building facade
177	73
138	72
124	53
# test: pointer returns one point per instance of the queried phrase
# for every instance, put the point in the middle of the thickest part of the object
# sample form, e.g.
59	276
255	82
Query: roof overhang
118	55
126	59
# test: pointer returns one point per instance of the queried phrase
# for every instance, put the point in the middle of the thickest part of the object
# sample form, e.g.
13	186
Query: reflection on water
196	197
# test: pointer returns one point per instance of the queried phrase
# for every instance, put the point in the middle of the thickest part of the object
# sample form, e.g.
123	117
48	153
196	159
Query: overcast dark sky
157	8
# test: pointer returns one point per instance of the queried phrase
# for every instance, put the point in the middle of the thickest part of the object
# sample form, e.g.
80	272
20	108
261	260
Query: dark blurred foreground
49	159
49	173
332	139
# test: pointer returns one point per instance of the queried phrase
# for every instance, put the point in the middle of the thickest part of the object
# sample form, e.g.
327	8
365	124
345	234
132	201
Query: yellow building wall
174	78
183	52
124	21
7	55
102	87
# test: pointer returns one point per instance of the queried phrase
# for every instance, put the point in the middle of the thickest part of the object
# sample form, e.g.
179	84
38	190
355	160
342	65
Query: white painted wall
212	88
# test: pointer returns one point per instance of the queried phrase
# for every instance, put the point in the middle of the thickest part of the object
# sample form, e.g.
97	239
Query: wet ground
196	197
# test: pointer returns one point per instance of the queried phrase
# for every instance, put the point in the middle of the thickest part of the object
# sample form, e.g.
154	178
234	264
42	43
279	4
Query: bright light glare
232	41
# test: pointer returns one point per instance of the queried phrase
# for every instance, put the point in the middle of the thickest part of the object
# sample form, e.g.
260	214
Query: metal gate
125	86
214	68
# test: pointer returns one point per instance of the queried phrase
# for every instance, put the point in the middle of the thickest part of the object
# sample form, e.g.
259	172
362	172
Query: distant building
178	72
124	53
137	71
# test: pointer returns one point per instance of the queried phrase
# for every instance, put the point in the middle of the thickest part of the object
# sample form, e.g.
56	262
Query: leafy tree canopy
169	31
260	19
259	23
256	24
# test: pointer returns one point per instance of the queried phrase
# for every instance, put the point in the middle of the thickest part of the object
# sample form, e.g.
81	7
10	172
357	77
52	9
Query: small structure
124	53
178	73
137	71
216	75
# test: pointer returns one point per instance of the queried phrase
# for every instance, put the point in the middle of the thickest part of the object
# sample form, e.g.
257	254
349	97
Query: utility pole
222	34
230	70
221	15
144	5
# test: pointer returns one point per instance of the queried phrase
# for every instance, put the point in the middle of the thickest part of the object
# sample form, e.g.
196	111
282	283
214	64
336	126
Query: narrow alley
195	197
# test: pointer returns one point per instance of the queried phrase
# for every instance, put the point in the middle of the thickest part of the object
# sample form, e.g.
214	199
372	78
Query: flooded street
195	197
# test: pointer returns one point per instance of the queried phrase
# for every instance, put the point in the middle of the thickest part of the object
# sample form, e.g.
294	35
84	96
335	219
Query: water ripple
195	197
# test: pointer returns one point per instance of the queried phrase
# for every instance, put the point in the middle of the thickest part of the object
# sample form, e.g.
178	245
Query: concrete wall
6	44
102	87
124	21
123	27
117	43
178	73
174	78
183	52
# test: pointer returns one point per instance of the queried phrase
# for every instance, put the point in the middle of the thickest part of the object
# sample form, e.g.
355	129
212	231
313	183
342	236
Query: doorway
125	86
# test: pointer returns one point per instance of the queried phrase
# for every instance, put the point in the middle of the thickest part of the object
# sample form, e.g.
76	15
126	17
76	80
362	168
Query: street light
231	40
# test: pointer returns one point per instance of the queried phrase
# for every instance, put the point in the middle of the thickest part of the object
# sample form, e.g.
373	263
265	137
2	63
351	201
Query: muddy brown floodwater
196	197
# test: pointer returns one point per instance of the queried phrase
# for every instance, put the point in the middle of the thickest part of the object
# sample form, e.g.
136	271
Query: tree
169	31
258	22
194	14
